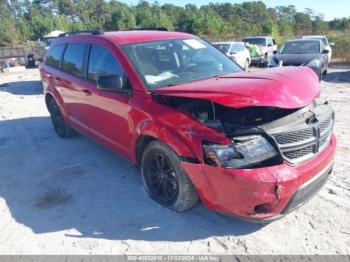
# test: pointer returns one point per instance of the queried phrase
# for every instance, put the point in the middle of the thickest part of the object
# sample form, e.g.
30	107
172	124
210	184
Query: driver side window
102	63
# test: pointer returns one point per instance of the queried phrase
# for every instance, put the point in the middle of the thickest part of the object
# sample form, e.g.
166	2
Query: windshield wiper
174	84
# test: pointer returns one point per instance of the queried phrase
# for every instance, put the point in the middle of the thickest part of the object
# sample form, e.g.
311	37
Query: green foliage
22	20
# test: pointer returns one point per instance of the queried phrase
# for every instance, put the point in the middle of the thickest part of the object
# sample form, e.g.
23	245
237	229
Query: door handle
86	91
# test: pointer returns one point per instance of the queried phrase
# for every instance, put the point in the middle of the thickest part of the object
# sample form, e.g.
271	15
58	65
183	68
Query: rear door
71	82
52	65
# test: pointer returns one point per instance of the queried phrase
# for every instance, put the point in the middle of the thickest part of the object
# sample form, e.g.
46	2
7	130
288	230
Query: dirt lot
73	196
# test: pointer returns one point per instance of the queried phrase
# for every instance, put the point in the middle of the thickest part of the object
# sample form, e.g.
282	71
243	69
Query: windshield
222	47
171	62
255	41
301	47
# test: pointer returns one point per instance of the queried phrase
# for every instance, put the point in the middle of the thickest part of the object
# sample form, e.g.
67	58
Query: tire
266	62
164	180
61	128
325	72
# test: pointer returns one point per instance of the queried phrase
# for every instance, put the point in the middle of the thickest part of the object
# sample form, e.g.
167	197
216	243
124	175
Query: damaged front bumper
261	194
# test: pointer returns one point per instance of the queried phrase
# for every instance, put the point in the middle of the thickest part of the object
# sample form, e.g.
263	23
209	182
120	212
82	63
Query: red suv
255	145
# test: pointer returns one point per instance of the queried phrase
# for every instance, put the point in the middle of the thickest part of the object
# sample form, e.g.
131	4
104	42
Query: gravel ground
75	197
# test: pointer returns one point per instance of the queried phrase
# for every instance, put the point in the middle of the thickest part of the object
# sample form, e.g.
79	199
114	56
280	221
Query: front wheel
164	179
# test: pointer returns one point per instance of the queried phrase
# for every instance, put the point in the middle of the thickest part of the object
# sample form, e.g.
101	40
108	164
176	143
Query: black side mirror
275	52
112	83
325	51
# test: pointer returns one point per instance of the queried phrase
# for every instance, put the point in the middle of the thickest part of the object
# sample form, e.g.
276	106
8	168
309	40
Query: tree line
22	20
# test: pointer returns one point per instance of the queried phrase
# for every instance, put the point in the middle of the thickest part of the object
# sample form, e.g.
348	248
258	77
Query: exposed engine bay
261	136
228	120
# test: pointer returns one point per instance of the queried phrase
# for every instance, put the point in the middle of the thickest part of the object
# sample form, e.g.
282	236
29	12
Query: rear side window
73	59
54	56
102	63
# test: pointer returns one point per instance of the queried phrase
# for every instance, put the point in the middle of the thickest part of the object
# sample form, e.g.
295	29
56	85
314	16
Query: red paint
271	87
118	121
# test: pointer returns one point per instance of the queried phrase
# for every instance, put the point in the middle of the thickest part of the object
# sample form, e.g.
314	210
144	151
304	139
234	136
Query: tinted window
102	63
237	48
255	41
73	59
301	47
222	47
54	56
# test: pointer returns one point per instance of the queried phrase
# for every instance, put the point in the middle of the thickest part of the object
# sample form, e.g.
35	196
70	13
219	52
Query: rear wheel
164	179
61	128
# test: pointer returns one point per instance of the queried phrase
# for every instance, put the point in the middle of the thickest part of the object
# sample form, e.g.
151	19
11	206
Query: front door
108	111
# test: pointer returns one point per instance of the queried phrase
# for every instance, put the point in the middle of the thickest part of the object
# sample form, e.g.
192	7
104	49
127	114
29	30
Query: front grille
303	140
295	136
295	154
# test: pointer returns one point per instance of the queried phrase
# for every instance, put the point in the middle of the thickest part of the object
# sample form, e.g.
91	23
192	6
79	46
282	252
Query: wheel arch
49	96
166	136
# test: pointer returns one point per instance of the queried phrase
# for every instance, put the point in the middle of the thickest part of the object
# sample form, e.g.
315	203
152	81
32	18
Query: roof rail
84	32
148	28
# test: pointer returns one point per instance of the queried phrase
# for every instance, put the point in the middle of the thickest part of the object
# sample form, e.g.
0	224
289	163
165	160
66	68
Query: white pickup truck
266	45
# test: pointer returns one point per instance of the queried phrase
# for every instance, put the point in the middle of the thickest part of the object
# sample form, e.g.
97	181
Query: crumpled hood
282	87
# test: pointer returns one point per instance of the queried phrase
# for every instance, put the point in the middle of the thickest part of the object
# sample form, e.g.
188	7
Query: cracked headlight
245	151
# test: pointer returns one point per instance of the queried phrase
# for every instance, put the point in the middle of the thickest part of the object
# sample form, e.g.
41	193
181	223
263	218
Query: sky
329	8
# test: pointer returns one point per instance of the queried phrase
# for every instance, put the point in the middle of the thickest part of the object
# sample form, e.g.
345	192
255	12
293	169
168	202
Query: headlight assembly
245	151
314	63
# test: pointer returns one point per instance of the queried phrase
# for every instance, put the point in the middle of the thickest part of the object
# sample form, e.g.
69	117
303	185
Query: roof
136	36
223	43
261	36
227	43
128	37
304	40
314	36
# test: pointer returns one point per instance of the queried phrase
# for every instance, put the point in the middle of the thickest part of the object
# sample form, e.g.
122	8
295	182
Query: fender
55	94
166	135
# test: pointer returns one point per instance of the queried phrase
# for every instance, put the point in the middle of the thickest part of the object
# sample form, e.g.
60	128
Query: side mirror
112	83
275	52
233	53
331	44
325	51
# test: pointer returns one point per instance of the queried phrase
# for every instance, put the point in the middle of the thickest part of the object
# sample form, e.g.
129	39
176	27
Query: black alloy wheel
164	179
161	178
61	128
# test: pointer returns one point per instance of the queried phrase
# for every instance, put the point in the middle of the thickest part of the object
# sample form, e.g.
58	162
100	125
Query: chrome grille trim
303	134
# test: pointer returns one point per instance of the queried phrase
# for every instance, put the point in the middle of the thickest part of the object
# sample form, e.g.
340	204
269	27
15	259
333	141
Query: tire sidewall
175	161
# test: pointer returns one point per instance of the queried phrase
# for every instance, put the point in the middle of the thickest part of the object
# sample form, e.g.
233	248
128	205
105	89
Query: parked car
255	145
303	52
266	46
325	42
236	51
